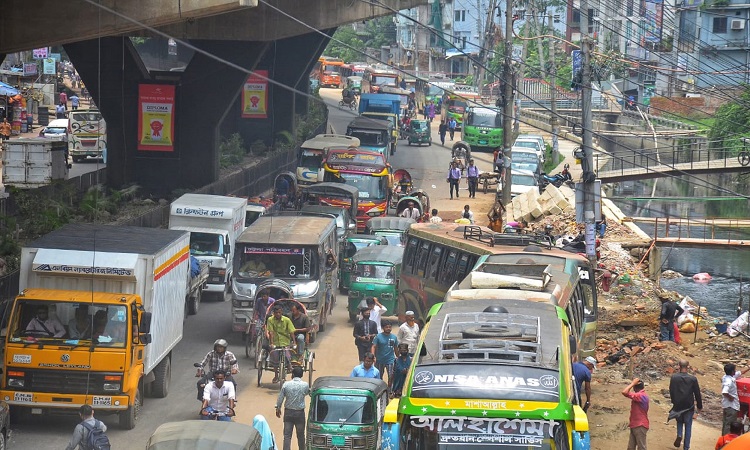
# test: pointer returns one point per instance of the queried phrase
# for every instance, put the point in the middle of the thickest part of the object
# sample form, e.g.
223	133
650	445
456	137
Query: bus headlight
374	213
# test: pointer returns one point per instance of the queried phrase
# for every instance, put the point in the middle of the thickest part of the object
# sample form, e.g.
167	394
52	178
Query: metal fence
647	160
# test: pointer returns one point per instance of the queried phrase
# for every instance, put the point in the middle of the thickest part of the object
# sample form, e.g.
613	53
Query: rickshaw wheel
309	368
258	351
282	370
485	185
248	343
259	363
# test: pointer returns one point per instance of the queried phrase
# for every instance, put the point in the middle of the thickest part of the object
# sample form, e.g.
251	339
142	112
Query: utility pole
590	196
488	44
508	97
553	91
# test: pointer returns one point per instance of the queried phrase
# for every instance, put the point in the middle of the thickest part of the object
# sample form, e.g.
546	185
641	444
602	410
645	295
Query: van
56	130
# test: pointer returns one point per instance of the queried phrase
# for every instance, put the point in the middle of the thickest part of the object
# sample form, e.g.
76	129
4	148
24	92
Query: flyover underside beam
60	22
265	23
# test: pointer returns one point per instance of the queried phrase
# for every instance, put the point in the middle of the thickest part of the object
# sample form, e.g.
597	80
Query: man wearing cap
408	332
582	376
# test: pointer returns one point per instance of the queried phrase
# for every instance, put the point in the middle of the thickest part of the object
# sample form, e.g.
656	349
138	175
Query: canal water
705	196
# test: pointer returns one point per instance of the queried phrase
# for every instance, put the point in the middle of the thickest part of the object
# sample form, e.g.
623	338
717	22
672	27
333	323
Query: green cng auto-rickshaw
419	132
392	228
375	273
354	243
346	412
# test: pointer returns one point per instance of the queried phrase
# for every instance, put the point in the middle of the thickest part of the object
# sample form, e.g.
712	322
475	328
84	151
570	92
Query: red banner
255	96
156	117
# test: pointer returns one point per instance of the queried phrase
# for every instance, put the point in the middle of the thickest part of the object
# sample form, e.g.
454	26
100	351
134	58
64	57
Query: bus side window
446	275
463	267
434	263
424	252
410	254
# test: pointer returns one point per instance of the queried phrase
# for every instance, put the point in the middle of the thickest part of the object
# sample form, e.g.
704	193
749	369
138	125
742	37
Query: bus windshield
331	68
276	262
311	158
373	273
343	409
433	90
457	106
370	188
484	120
384	80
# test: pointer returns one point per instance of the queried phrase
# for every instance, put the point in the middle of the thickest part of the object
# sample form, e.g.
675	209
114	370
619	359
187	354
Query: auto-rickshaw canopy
334	190
205	435
376	386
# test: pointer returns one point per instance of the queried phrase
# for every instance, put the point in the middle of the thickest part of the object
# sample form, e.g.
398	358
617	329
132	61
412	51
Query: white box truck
214	222
100	310
34	162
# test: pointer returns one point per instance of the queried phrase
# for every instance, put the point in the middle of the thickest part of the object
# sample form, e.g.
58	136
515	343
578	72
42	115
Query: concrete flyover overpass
271	35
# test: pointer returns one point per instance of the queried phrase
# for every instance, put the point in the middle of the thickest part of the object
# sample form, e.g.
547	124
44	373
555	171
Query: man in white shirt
44	326
411	212
730	400
408	332
376	310
434	217
218	397
467	214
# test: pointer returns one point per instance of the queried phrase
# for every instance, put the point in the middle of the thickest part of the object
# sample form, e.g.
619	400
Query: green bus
490	374
483	128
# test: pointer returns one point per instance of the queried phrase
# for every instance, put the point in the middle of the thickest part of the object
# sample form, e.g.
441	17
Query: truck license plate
102	401
23	397
22	359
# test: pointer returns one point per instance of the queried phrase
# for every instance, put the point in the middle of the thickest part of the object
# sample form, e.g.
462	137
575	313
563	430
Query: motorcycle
206	378
213	414
351	102
558	179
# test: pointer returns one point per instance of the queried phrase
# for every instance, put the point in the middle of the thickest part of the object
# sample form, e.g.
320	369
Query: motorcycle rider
219	359
218	396
346	96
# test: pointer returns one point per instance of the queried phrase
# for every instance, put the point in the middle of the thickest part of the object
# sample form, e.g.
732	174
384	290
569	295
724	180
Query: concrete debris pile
531	205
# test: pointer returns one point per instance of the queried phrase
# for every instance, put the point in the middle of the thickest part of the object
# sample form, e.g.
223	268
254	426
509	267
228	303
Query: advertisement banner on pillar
156	117
255	96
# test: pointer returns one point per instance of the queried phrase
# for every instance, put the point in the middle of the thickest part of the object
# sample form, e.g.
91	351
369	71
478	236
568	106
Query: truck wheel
323	322
194	303
227	290
162	374
129	417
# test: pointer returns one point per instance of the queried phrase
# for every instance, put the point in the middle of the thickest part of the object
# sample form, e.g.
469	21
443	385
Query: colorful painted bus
482	128
455	102
378	77
369	173
354	69
490	374
439	255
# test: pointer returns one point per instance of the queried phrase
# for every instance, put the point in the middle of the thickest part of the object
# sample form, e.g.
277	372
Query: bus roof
480	240
385	253
483	110
389	223
323	141
527	334
287	230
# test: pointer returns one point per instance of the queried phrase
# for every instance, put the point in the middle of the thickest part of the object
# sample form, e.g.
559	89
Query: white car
531	143
524	158
522	181
56	130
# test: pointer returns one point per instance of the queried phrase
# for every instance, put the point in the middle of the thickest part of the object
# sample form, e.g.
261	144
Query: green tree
350	48
732	122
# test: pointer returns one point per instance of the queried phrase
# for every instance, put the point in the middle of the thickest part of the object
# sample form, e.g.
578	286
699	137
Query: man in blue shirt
384	347
582	376
452	124
454	176
366	369
472	175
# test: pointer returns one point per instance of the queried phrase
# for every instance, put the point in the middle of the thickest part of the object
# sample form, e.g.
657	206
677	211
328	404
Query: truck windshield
372	273
368	137
206	244
384	80
37	320
276	262
340	409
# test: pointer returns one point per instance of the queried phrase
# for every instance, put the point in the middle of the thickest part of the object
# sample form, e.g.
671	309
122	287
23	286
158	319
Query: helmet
566	166
548	227
221	343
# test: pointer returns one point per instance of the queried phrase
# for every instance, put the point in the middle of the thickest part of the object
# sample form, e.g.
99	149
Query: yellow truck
100	310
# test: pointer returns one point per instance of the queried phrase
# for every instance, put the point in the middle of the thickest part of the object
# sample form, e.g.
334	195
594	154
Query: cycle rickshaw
287	356
288	200
402	186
